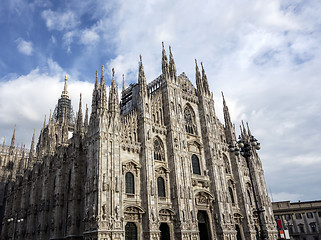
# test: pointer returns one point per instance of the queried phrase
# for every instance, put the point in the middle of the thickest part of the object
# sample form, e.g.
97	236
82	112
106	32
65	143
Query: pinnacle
64	93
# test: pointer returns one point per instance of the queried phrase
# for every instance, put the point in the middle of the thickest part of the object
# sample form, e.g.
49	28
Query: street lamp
15	221
245	146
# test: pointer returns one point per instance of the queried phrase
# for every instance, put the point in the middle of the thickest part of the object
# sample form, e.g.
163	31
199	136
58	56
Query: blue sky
264	55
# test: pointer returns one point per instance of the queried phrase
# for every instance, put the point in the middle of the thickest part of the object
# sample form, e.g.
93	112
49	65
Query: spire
248	129
32	150
113	84
44	122
64	93
198	79
96	82
86	119
172	67
227	118
165	69
79	117
13	139
113	95
102	79
205	82
243	130
49	123
141	78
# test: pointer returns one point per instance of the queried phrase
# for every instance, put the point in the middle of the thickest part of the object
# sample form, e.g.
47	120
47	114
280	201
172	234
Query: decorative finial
102	79
248	129
64	93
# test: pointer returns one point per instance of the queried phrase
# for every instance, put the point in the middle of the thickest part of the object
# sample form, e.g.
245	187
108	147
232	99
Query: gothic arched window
130	231
130	183
231	194
161	187
158	150
196	165
189	117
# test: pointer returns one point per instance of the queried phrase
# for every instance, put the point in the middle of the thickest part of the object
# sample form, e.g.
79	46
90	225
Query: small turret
141	78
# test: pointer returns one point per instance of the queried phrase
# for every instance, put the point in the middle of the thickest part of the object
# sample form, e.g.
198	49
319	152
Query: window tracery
189	117
158	150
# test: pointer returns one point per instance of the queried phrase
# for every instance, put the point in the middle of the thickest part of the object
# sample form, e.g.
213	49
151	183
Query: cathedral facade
156	165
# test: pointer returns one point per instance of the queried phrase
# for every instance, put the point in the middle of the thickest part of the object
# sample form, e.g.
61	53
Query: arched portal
165	233
130	231
203	226
238	233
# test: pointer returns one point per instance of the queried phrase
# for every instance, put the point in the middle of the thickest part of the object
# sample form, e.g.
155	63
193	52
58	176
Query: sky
264	55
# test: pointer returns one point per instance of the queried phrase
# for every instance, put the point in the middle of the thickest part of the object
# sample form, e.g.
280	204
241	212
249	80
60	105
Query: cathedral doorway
130	231
165	233
238	233
203	225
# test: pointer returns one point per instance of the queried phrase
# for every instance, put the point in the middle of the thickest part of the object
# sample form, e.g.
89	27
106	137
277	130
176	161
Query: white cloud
24	100
265	56
60	20
89	37
24	47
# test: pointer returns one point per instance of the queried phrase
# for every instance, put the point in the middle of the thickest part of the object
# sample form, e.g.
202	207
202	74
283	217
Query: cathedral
154	164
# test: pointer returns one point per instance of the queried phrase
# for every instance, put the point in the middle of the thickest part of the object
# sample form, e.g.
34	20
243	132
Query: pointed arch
131	231
190	122
196	165
159	153
161	187
130	183
231	192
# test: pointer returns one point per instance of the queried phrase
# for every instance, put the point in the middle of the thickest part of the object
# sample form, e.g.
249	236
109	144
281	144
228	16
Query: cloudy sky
264	55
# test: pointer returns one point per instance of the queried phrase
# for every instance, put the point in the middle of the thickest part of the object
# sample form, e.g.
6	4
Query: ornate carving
203	198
